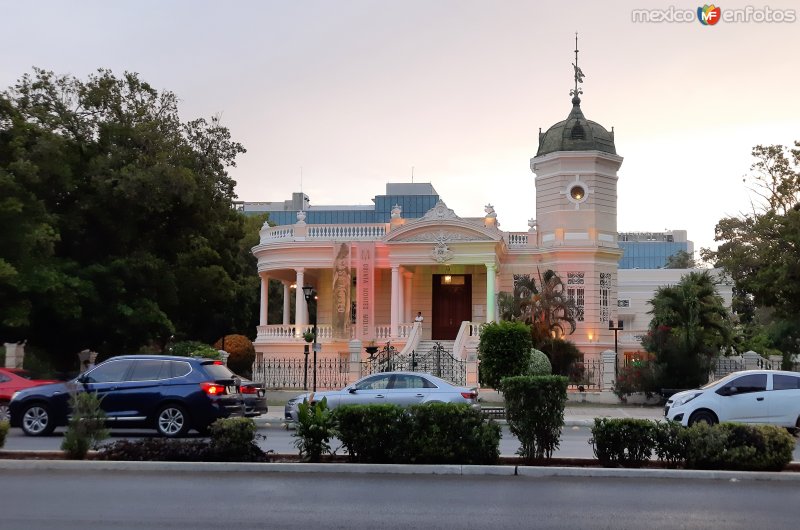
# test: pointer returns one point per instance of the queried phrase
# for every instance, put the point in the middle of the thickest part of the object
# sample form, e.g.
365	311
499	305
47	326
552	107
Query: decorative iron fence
437	361
332	373
586	375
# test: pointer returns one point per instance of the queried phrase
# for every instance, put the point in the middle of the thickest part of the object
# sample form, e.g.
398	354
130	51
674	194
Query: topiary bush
622	442
562	354
4	426
540	364
504	351
242	354
234	440
371	433
451	433
87	425
535	412
738	446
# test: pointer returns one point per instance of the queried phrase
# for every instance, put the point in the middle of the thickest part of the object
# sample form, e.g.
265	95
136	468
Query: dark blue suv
169	394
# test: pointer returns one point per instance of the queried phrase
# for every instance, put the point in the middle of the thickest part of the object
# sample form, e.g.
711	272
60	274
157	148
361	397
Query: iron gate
437	361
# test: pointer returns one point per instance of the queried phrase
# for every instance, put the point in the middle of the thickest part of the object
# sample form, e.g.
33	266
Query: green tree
760	250
680	260
545	307
128	234
690	326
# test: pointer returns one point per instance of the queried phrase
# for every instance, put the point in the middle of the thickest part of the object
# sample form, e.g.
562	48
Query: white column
262	320
409	300
299	304
401	304
490	296
286	304
395	302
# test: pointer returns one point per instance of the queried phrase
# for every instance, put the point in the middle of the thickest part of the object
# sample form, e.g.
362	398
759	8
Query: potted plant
371	348
308	336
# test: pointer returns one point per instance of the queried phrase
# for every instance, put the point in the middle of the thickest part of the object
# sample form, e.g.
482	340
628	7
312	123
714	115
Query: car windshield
720	381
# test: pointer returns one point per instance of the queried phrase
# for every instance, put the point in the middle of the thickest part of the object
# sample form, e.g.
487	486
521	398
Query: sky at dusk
359	92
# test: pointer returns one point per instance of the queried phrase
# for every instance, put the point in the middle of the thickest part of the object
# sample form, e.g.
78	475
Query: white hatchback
751	396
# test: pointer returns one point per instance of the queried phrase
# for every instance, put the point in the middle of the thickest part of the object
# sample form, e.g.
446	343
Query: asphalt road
140	500
574	441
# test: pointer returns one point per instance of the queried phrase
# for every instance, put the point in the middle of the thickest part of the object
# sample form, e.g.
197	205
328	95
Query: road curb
391	469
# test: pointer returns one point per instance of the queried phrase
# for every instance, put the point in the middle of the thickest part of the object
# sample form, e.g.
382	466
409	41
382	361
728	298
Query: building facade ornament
441	235
441	253
301	217
439	212
397	210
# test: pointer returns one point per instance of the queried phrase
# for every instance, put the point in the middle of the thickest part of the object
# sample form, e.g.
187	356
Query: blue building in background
415	199
650	250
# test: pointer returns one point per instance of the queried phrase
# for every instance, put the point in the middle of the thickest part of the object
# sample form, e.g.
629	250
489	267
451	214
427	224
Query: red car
11	380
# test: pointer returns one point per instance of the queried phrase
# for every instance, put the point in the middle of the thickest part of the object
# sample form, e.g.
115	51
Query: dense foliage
689	329
435	433
116	221
760	251
314	429
540	364
193	348
504	350
630	443
535	412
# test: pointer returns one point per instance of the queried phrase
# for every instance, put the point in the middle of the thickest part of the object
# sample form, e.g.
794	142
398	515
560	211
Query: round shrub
242	353
540	364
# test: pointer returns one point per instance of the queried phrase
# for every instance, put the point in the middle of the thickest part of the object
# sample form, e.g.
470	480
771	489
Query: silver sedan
399	388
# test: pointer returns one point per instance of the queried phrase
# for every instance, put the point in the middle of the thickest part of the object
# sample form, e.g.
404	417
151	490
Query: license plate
232	390
260	393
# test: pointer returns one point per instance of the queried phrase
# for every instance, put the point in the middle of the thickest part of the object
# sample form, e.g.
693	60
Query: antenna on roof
412	174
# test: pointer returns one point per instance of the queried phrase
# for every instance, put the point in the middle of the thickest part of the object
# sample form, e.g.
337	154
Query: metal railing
332	373
586	374
437	361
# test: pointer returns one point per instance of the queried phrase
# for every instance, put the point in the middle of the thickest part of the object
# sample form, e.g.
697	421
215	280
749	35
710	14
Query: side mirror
352	390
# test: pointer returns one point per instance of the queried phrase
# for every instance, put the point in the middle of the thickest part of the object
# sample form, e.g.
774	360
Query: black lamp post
615	329
310	294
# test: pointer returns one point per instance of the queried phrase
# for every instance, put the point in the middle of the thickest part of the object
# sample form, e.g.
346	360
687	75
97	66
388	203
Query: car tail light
212	389
217	362
249	390
470	395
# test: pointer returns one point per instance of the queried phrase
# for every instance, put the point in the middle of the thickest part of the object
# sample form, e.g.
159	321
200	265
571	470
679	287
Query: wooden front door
452	304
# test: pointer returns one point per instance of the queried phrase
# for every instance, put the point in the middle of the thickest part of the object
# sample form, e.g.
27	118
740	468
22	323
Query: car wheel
172	421
703	416
36	420
4	414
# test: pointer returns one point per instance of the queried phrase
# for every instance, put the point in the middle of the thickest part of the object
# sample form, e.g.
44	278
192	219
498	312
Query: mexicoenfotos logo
708	15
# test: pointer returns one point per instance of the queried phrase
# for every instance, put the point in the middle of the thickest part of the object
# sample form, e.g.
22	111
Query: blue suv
168	394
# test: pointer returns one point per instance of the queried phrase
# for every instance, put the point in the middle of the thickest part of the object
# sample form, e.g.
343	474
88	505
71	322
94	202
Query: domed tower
576	213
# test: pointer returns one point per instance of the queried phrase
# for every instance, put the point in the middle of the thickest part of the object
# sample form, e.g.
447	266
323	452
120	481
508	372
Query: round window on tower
577	193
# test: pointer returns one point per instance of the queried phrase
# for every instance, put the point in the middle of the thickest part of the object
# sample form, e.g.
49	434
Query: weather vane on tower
578	72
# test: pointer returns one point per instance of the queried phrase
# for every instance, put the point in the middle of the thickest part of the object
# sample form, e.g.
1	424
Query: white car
752	396
399	388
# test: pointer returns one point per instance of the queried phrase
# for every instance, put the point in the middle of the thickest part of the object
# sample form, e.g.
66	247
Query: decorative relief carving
441	235
439	212
441	252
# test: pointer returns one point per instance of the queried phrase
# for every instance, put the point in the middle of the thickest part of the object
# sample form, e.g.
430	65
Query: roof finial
575	92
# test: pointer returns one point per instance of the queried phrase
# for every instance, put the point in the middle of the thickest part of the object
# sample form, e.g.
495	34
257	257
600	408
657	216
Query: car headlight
685	399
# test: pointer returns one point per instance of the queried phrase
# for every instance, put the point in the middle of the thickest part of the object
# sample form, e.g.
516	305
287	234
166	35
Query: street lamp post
310	294
615	329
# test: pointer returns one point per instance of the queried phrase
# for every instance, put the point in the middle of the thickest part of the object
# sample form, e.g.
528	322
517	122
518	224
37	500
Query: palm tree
546	307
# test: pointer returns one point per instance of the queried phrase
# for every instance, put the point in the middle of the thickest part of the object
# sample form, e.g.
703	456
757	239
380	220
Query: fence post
609	370
751	360
354	348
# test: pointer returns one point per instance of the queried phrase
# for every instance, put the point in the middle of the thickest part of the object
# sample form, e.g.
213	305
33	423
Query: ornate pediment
439	212
443	235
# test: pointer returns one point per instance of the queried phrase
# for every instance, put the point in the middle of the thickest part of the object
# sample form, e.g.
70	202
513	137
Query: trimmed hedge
504	351
232	440
535	412
435	433
734	446
4	426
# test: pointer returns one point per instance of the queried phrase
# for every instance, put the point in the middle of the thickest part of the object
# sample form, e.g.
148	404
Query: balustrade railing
348	232
517	239
277	232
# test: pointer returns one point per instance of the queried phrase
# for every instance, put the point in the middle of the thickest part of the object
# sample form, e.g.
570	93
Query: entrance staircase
426	346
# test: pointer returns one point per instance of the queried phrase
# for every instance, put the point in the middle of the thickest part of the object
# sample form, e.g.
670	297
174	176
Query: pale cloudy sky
357	92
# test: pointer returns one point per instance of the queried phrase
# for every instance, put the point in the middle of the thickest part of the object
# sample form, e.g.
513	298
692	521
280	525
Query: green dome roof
576	133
